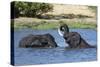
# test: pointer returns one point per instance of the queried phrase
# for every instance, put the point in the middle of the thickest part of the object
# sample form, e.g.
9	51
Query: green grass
43	25
47	26
83	25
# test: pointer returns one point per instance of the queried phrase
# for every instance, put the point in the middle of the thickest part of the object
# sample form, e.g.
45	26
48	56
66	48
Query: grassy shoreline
43	24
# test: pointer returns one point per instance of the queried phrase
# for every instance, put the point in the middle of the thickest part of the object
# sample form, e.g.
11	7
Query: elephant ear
75	40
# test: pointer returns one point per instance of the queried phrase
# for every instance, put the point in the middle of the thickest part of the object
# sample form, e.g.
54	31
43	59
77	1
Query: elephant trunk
63	29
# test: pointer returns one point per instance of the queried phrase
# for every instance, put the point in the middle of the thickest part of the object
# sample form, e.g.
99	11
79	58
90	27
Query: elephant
37	41
73	39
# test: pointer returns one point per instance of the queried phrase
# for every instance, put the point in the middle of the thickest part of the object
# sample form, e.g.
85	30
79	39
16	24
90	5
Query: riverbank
35	23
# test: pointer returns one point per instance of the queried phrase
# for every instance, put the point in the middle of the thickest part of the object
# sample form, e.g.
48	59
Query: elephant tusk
60	33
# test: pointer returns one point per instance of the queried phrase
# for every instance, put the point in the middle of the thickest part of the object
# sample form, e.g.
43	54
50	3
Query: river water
31	56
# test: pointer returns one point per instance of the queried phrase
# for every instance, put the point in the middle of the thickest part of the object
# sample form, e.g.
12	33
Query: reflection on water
26	56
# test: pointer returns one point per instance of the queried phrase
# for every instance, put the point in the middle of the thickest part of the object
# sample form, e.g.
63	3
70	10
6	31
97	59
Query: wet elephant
73	39
45	40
